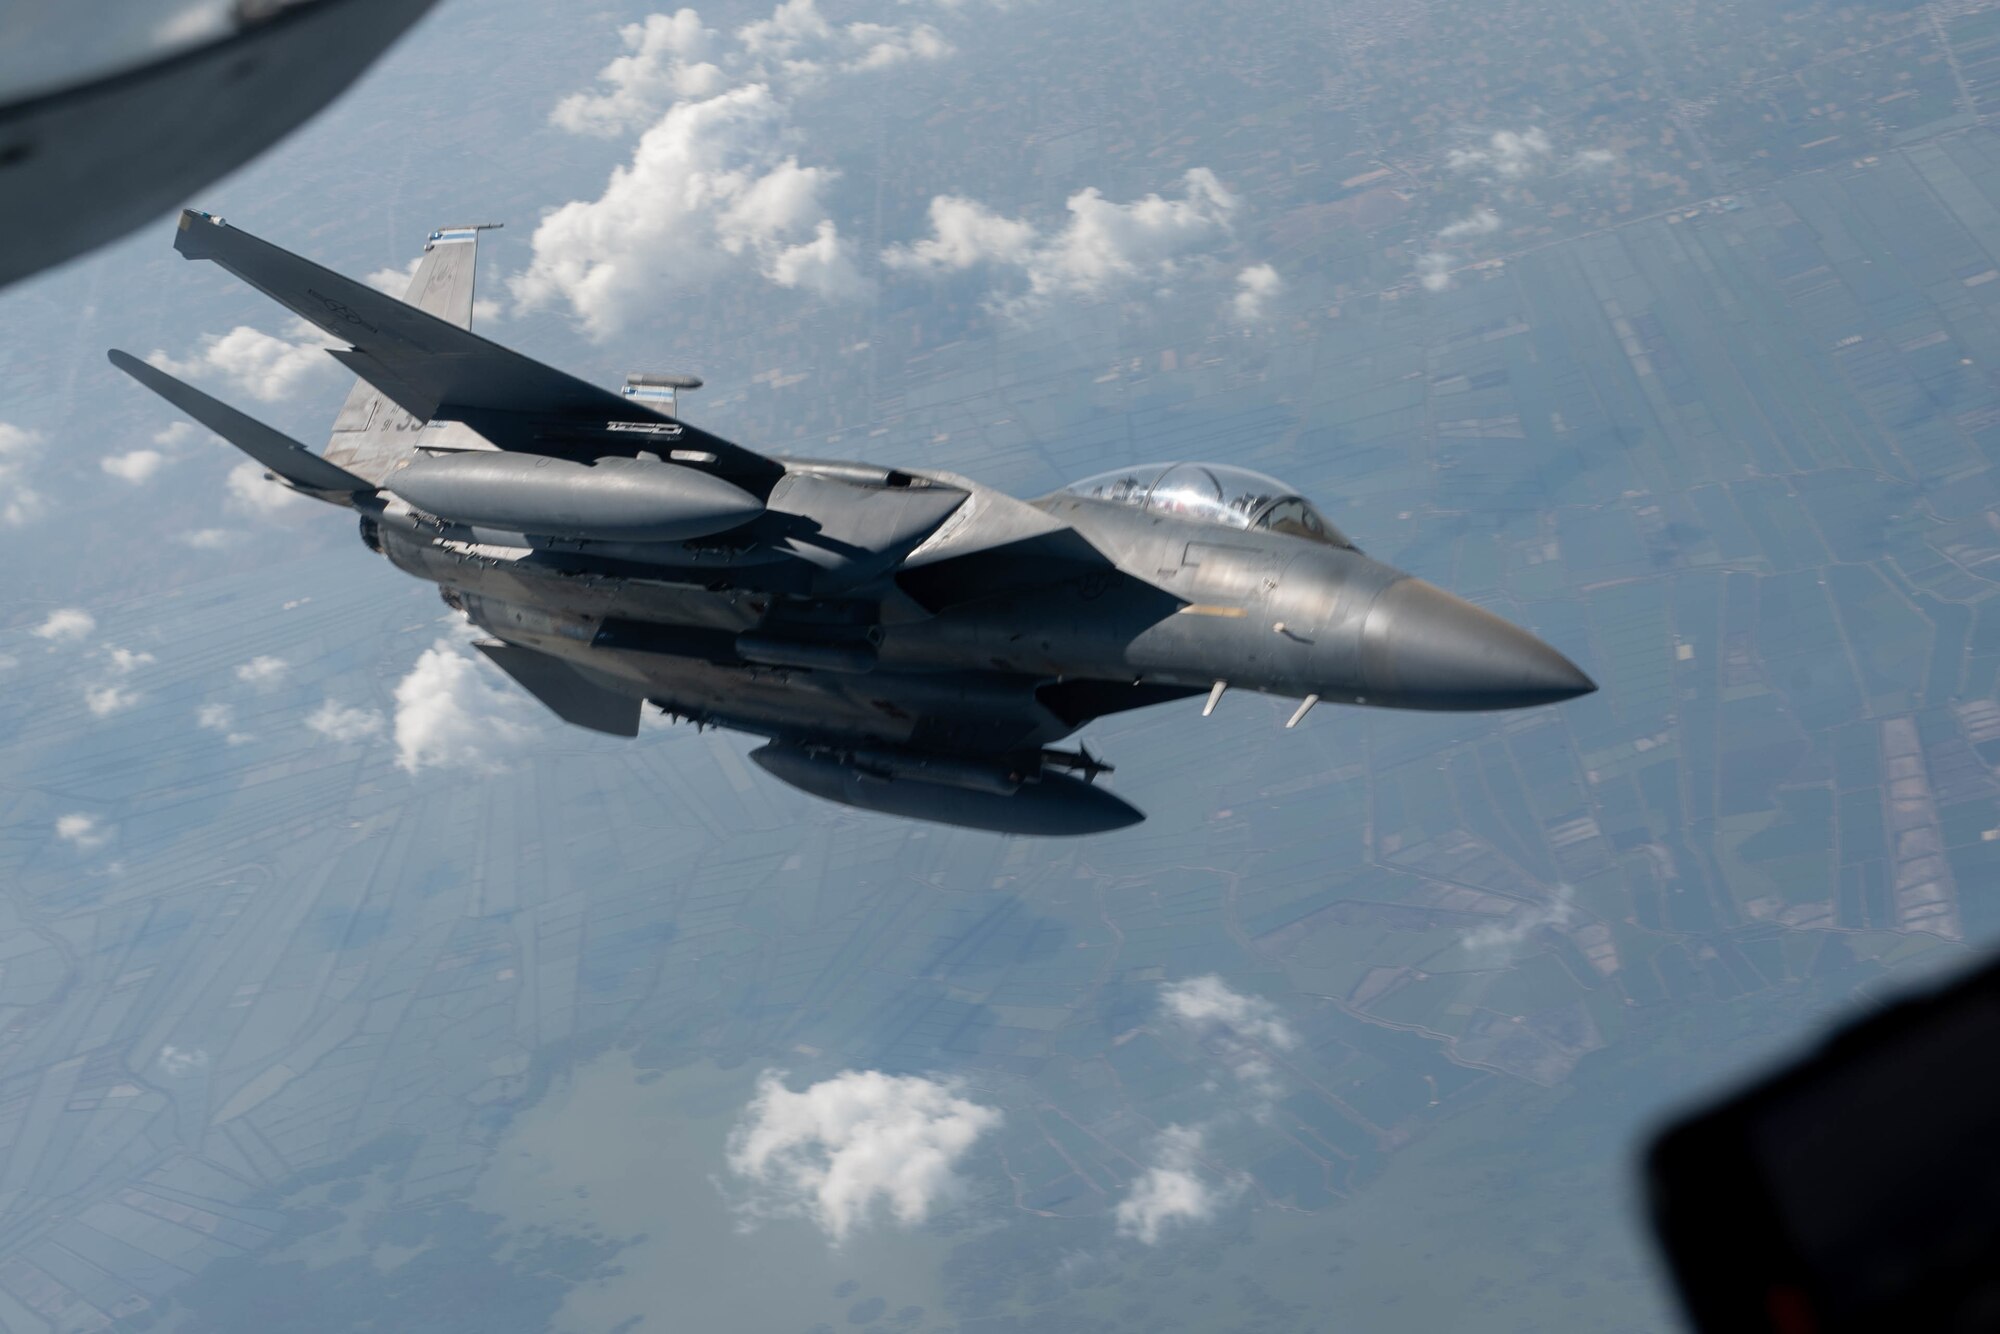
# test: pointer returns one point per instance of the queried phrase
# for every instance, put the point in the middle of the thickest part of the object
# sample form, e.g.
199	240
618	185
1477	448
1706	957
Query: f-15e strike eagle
907	640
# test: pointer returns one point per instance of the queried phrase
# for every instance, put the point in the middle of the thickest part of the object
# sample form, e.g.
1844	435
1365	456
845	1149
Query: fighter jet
906	640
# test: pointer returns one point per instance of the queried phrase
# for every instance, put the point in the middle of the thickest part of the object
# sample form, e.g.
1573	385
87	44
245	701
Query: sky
337	974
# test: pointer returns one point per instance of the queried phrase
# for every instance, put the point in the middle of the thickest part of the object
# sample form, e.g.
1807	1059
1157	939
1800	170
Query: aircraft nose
1423	648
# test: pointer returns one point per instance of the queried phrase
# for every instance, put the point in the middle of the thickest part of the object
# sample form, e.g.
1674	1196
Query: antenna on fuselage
659	391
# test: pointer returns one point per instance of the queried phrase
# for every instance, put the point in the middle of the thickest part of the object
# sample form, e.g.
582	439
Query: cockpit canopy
1213	493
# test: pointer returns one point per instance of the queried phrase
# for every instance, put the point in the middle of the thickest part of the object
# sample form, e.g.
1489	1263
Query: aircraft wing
85	164
290	460
437	371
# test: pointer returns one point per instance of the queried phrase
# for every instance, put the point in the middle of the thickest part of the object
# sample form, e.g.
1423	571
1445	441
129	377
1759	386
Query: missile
946	792
609	500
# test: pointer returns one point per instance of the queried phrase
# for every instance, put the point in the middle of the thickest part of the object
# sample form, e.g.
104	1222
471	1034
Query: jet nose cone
1423	648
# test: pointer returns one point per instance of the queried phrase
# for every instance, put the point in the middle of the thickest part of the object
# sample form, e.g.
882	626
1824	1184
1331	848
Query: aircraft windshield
1213	493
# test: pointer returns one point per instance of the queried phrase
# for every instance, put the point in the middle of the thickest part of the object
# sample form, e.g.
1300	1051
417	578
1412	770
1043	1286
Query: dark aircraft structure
907	640
102	156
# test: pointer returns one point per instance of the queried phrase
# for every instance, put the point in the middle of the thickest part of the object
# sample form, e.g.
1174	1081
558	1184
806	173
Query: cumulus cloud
447	716
82	831
136	466
708	187
1479	222
19	448
105	700
1206	1003
66	625
175	433
1244	1029
180	1062
220	718
1500	942
339	722
263	670
1434	270
715	184
125	661
1593	159
1256	286
248	491
208	539
261	365
884	46
1103	249
1507	154
794	24
666	61
835	1150
394	282
1172	1191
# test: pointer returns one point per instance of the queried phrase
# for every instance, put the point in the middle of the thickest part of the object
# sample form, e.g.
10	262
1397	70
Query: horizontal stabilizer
274	449
436	371
569	691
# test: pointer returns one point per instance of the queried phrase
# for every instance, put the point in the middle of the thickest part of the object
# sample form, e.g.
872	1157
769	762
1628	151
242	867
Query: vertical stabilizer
372	434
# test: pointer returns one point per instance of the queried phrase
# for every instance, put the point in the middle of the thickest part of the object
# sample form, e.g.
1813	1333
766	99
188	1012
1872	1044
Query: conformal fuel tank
610	500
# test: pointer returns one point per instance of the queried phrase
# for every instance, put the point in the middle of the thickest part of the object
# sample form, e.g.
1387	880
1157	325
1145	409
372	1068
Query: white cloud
66	625
1104	248
220	718
208	539
708	188
19	448
1255	286
448	717
1508	154
83	831
262	365
1498	943
1171	1191
1206	1003
965	233
394	282
667	61
1434	270
792	25
821	266
248	491
886	47
833	1151
175	433
105	700
337	722
714	184
137	466
1593	159
1244	1029
180	1062
125	661
1479	222
263	670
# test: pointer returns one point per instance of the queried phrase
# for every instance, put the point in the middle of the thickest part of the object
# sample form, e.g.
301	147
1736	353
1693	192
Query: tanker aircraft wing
100	157
436	370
